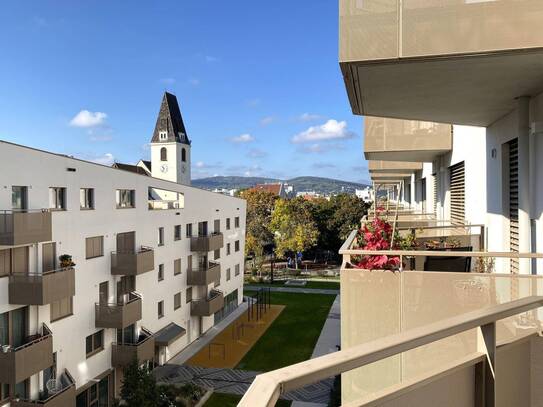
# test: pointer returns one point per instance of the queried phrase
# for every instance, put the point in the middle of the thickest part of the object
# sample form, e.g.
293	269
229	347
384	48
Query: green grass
293	335
328	285
231	400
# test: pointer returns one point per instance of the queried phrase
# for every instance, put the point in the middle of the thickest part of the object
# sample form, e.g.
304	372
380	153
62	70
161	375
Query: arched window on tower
163	154
183	155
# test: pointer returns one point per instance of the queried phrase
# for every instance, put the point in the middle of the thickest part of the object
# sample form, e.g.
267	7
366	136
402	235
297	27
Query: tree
293	227
139	386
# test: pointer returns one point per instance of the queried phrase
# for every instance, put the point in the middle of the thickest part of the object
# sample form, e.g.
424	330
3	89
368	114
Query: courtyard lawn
293	335
327	285
231	400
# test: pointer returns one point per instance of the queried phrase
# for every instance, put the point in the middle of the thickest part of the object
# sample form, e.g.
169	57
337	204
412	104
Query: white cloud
167	81
317	148
99	138
267	120
88	119
243	138
106	159
331	130
256	153
308	117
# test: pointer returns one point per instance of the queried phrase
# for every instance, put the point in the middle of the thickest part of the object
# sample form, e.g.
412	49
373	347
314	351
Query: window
94	343
189	229
163	135
86	198
217	254
236	245
19	196
5	262
236	222
177	232
160	309
236	270
94	247
61	308
183	155
163	154
177	301
160	272
227	223
57	198
161	236
188	295
228	274
176	267
126	198
227	249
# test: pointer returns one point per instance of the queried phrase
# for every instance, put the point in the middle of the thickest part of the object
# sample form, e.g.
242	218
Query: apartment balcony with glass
119	315
207	306
132	346
453	61
62	394
205	274
207	242
132	262
21	227
41	288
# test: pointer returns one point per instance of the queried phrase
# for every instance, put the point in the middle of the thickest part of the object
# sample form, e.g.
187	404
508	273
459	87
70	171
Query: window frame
88	196
161	236
102	247
236	222
177	236
95	349
160	275
177	301
57	194
160	309
121	195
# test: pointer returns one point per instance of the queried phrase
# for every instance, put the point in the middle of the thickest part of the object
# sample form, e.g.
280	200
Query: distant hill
317	184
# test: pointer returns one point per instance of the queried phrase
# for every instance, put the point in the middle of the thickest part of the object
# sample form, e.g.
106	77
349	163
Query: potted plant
66	261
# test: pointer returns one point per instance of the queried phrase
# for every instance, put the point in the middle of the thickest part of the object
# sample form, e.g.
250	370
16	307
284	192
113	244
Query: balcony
393	167
41	289
119	315
25	227
36	354
62	396
207	306
405	140
204	275
143	349
458	61
132	263
207	243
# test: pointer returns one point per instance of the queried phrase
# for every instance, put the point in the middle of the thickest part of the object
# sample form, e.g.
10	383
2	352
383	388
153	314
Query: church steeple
169	124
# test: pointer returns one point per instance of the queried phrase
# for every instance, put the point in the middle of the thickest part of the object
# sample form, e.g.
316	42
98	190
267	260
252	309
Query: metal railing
35	276
143	337
142	249
32	340
268	387
114	307
66	381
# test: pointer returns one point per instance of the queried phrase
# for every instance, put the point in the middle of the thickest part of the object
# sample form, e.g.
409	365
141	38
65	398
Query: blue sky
258	83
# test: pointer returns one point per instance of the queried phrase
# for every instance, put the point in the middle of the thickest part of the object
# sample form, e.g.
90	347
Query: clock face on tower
164	168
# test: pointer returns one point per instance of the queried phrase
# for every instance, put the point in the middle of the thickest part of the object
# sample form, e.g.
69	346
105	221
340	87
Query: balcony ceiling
471	90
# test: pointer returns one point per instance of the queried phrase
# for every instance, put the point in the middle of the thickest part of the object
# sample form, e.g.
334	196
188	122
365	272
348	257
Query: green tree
293	226
139	386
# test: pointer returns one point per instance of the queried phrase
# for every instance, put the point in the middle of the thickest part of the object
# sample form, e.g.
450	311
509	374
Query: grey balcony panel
25	227
207	306
20	363
204	275
207	243
133	263
118	315
123	353
169	334
62	398
42	289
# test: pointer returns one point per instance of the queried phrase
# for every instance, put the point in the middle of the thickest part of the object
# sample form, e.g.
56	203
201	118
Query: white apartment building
156	264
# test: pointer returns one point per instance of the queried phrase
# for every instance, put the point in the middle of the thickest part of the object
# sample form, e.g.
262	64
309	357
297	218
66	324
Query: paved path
294	289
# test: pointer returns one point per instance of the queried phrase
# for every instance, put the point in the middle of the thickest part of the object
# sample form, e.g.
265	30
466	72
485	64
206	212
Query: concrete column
412	190
523	129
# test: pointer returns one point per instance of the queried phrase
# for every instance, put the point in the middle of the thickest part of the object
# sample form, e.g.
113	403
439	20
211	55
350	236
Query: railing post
485	372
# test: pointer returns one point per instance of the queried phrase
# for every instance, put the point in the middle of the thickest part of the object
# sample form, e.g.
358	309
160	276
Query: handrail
268	387
206	235
132	297
148	335
10	211
44	273
40	337
210	265
142	249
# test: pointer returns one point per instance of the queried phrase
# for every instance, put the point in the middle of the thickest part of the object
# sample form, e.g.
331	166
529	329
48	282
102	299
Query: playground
230	346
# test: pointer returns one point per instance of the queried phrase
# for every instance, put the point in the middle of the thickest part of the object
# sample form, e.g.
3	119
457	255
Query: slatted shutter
423	194
434	179
457	187
513	202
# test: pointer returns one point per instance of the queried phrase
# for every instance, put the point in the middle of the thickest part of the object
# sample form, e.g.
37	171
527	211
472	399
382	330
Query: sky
258	83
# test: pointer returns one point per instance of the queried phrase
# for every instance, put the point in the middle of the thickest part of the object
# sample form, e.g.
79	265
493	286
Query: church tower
170	145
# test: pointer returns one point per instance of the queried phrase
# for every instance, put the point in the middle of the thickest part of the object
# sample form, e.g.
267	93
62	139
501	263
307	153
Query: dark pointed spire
170	120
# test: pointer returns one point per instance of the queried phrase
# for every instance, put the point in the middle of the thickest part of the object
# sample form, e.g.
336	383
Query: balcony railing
41	288
25	227
33	356
206	307
204	275
132	263
207	243
62	396
119	315
143	349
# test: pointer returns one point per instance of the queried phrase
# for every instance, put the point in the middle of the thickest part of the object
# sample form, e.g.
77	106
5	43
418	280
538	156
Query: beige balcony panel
41	289
26	360
20	228
118	315
207	307
123	354
393	167
393	176
454	61
405	140
204	276
63	398
207	243
132	264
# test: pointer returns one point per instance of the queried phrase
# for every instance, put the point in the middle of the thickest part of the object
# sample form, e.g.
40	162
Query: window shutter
513	203
457	188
